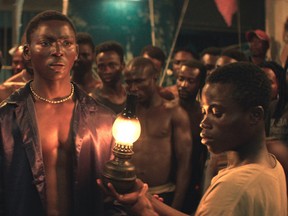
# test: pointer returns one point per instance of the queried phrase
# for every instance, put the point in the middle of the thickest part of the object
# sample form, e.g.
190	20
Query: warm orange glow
126	130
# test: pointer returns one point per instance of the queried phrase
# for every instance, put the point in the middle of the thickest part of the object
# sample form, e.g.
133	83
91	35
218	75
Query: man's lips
181	92
57	64
205	138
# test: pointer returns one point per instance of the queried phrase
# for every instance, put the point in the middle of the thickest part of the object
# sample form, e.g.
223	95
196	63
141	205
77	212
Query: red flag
227	8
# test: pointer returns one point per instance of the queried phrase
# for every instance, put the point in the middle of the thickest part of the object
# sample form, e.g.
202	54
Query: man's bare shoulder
172	104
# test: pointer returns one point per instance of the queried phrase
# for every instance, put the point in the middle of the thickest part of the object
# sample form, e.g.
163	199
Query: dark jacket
22	173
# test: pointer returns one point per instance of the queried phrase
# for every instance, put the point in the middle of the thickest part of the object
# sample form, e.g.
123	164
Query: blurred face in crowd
180	57
188	82
85	58
109	67
209	62
257	46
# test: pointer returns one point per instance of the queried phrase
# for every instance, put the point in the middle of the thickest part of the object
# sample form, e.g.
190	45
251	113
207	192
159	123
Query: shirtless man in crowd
163	151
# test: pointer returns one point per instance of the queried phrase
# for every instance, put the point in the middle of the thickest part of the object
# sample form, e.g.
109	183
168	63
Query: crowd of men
214	133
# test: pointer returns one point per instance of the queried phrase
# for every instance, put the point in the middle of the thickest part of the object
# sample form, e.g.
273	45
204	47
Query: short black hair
142	64
154	52
187	49
251	86
234	54
45	16
199	65
85	38
107	46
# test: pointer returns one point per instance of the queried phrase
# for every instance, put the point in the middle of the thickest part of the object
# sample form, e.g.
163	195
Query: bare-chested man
54	138
190	81
163	151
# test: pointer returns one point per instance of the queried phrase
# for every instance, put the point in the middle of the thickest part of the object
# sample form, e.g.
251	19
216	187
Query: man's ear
26	52
256	114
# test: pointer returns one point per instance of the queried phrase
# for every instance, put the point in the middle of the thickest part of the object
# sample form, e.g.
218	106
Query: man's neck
260	156
155	100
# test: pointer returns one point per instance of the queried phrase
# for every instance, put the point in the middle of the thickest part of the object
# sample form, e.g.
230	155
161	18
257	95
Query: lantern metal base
120	171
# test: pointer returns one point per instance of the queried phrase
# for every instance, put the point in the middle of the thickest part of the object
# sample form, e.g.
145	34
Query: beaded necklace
52	101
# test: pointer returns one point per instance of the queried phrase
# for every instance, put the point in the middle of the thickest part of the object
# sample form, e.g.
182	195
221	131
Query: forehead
108	56
209	59
217	93
189	71
53	28
85	48
135	72
223	60
182	55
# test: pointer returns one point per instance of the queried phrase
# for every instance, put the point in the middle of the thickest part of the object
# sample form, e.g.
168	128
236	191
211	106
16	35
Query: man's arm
182	144
163	209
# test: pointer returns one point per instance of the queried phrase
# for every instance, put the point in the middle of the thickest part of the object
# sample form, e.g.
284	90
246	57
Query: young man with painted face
235	100
55	139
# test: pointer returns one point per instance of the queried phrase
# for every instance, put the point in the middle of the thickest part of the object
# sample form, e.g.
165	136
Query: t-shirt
248	190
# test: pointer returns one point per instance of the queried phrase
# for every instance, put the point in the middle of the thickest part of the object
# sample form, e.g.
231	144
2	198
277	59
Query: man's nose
57	49
205	123
184	83
133	88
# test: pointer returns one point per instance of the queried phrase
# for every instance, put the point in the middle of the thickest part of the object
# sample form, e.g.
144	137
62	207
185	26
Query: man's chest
54	123
155	123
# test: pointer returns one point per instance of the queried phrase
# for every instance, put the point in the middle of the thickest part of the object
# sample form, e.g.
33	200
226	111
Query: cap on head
258	33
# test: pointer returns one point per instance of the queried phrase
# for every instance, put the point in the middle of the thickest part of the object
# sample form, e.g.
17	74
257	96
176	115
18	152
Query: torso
230	190
153	150
54	122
